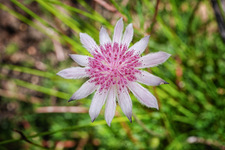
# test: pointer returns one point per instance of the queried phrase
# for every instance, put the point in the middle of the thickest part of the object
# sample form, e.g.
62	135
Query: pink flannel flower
113	69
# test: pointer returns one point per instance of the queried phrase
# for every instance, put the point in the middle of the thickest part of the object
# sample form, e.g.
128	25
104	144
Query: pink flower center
113	66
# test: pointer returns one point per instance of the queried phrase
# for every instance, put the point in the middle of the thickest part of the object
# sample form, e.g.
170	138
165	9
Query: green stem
96	123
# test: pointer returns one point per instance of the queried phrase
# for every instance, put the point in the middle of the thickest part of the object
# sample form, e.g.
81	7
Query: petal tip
163	82
147	37
59	74
102	28
130	119
81	34
109	124
92	120
108	121
71	55
156	106
130	25
121	19
166	82
166	54
70	100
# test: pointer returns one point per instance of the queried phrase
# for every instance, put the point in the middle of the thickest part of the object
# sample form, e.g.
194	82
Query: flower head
113	69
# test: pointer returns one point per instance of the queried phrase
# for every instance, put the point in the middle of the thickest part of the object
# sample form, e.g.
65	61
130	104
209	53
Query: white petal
143	95
104	36
88	43
140	46
118	31
110	107
149	79
128	35
153	59
125	103
86	89
80	59
97	103
73	73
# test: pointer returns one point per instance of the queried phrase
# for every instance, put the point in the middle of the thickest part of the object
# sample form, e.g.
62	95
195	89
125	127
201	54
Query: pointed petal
118	31
143	95
140	46
97	103
149	79
128	35
125	103
110	106
88	43
80	59
86	89
153	59
104	37
73	73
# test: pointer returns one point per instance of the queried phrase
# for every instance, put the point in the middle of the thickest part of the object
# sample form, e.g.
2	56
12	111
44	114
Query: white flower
113	70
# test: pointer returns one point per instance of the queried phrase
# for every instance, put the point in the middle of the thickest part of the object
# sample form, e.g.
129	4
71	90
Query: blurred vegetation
36	38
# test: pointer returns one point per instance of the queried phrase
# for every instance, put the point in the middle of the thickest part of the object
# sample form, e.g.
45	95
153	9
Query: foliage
191	114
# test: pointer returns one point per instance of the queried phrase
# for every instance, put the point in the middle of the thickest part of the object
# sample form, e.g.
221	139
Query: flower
113	69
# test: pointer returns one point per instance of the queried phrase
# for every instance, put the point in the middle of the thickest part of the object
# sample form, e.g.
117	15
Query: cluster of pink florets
113	65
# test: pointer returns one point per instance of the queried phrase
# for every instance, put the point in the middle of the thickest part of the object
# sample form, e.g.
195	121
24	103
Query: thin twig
194	139
66	129
106	5
145	128
128	131
23	137
19	96
62	109
154	17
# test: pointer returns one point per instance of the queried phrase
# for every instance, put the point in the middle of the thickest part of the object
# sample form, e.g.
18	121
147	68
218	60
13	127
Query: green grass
192	105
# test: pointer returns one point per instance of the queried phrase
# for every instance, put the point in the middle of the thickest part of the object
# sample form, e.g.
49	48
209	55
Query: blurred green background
36	37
